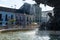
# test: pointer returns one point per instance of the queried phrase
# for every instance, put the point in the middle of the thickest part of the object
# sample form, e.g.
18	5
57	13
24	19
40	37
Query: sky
18	3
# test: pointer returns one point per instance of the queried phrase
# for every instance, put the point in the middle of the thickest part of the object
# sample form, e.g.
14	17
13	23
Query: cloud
2	5
19	3
46	8
3	0
30	1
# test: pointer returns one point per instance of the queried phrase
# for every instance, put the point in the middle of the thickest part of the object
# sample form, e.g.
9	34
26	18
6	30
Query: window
20	18
11	16
0	17
6	23
6	19
27	19
0	23
30	20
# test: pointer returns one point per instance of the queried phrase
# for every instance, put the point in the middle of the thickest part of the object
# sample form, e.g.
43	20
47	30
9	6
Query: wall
4	15
24	18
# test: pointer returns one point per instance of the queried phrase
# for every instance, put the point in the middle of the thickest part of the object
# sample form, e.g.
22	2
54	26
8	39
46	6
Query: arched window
6	17
0	17
27	19
11	16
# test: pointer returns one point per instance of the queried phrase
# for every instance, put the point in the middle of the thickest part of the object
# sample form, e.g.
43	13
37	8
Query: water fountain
55	23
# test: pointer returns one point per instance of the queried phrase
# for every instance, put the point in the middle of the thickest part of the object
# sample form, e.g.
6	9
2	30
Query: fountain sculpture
55	23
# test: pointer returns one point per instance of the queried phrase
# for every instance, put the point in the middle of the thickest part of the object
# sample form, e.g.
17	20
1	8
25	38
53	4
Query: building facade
36	10
24	19
23	16
5	15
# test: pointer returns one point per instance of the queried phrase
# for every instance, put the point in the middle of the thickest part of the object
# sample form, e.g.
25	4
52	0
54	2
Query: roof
7	9
24	9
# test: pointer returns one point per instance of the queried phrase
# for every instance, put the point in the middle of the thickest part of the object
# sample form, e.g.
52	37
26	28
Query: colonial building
5	15
22	18
36	10
33	9
24	15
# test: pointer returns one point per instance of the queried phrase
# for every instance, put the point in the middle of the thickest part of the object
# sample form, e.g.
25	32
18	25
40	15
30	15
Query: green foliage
12	20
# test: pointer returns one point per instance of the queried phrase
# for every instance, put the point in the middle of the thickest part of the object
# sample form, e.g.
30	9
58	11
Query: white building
24	19
36	10
45	17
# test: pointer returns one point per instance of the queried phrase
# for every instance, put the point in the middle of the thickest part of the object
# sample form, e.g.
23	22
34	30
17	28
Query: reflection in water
29	35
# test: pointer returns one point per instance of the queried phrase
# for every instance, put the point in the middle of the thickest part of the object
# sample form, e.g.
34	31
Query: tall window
0	17
0	23
20	18
27	19
11	16
6	18
30	20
